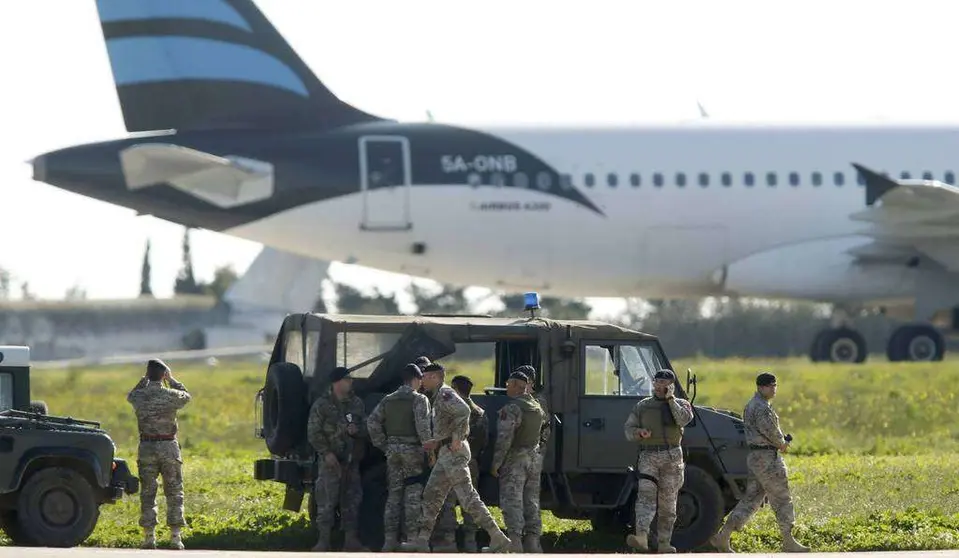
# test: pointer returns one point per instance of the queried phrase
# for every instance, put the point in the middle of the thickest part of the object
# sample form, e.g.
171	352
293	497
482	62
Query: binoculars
788	438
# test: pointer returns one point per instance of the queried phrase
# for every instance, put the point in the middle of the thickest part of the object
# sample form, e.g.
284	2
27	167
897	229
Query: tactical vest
399	415
528	434
656	417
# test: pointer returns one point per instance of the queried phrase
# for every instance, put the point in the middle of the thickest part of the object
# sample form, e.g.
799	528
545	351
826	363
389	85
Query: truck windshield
622	369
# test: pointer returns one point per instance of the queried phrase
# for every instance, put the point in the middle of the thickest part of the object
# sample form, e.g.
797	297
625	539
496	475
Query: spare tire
284	407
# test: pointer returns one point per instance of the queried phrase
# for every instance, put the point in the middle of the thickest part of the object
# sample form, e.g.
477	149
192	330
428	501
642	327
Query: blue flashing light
531	300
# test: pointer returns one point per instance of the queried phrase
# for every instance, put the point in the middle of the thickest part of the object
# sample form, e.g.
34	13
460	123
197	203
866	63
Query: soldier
451	471
515	463
156	408
657	423
337	421
547	431
767	470
398	426
478	440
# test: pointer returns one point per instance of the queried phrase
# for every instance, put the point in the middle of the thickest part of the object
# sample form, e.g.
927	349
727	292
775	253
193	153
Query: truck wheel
284	407
699	510
57	507
10	526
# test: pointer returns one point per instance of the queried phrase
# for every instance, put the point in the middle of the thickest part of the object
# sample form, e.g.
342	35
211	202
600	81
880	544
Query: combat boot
531	544
499	543
149	538
389	542
176	541
322	542
665	548
638	541
790	544
351	542
420	543
721	539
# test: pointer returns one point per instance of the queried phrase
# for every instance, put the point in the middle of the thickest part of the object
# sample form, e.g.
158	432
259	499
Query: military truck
56	471
593	374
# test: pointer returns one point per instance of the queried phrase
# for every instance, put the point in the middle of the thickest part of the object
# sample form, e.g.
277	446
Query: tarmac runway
15	552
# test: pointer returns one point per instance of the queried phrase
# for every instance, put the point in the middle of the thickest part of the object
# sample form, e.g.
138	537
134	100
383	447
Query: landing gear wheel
839	345
916	343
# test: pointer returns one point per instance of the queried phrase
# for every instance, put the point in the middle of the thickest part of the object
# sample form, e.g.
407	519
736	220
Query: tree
223	278
25	291
145	289
76	292
4	284
186	280
449	300
349	300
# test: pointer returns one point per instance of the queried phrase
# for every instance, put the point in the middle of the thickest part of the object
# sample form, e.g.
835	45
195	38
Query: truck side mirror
690	381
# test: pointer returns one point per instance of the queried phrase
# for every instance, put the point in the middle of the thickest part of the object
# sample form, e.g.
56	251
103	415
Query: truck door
615	377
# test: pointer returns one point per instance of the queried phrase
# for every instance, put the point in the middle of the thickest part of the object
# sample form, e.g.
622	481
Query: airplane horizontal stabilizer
226	182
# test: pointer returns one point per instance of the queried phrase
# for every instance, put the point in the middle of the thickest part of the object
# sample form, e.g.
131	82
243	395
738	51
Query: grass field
872	468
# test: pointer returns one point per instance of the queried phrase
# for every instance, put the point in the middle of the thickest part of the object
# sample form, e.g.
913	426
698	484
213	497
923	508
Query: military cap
422	362
157	364
338	374
664	374
765	379
527	370
412	371
519	376
461	380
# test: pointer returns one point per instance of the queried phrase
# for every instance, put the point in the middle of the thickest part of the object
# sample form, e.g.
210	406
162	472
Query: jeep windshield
622	368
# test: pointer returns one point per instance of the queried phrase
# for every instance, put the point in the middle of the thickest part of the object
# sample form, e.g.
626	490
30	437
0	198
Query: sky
468	63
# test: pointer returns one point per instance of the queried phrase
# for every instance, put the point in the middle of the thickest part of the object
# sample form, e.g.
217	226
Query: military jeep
593	374
56	471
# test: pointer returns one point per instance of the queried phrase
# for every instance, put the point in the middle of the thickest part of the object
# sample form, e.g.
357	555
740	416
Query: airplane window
497	179
566	181
588	179
860	179
748	179
794	179
658	180
927	175
634	179
520	180
949	178
905	175
838	178
543	180
771	178
727	179
703	179
611	179
680	179
817	179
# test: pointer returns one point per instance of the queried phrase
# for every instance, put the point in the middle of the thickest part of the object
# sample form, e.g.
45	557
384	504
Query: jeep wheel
10	526
284	407
57	507
699	510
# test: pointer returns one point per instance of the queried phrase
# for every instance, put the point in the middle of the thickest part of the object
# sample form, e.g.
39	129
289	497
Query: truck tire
10	526
57	507
284	407
699	510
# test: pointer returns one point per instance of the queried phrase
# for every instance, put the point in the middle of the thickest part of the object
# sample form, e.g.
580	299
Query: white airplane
235	134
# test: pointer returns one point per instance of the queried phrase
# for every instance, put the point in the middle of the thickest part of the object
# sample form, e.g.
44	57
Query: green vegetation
875	452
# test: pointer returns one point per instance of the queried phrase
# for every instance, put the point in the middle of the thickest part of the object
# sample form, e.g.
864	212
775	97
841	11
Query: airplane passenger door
385	182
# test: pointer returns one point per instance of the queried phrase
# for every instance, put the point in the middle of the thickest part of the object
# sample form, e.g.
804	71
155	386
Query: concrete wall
57	330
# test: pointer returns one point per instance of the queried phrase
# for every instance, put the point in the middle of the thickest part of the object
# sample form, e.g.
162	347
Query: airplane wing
908	219
223	181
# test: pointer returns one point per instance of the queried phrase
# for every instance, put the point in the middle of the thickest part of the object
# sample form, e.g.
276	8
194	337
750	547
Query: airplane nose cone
39	168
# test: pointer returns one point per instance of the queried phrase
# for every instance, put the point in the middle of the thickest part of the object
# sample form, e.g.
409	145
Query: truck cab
592	373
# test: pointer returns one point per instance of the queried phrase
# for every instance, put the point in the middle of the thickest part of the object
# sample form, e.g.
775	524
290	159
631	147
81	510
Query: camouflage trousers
451	473
767	477
337	486
156	459
445	531
519	493
403	461
659	498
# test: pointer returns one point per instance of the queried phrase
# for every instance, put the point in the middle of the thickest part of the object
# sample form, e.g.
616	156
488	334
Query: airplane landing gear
916	343
839	344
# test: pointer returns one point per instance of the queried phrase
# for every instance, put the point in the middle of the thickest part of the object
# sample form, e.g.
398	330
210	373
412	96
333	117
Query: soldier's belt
157	438
757	447
660	447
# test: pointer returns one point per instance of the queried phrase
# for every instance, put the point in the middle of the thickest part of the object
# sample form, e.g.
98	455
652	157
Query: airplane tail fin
200	64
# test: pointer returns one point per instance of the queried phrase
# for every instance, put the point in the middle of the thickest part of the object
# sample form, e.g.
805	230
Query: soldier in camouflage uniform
767	470
478	440
451	471
337	423
657	423
156	408
515	463
547	431
398	426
